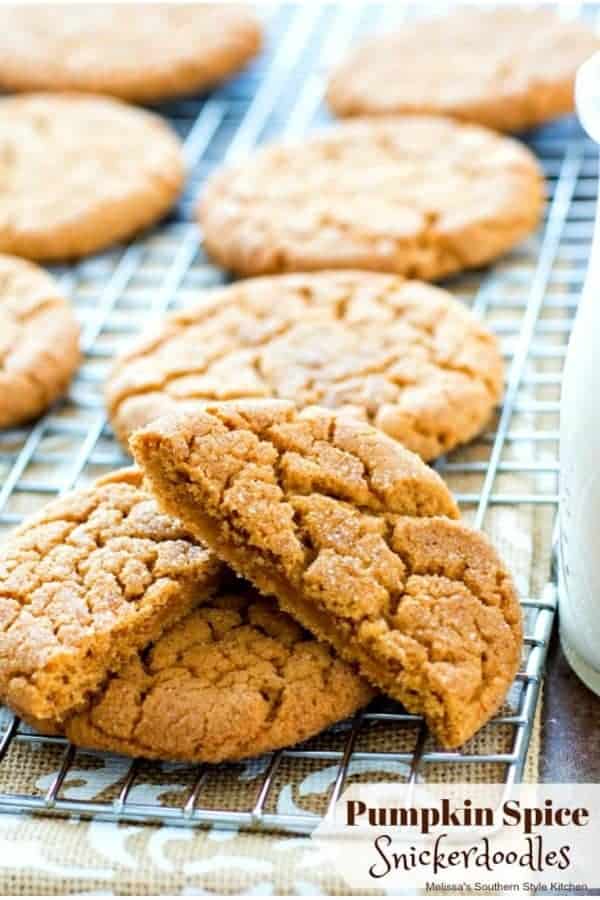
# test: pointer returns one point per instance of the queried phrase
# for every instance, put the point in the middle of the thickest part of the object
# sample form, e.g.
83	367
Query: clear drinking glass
579	546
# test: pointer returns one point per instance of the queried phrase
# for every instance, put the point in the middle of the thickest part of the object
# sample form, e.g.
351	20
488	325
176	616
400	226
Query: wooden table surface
570	724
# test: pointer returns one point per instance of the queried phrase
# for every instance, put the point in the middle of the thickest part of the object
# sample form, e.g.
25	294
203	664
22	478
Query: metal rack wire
529	298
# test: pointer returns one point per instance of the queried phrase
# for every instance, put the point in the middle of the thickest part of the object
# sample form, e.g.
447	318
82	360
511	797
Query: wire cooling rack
508	476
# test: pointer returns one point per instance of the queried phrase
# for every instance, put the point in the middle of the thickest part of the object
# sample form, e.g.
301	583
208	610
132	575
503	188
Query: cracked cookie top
414	195
39	341
354	536
509	68
235	678
83	585
79	172
142	53
401	354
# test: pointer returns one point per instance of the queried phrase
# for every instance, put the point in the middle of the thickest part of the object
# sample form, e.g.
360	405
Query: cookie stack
120	628
282	552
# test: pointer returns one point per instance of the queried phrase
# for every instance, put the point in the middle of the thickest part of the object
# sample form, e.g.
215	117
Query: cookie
404	355
235	678
508	68
140	52
39	341
95	576
79	173
416	195
357	539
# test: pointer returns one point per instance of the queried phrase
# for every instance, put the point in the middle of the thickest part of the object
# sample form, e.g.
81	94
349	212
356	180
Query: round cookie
140	52
402	354
235	678
356	538
415	195
84	585
39	341
79	173
508	68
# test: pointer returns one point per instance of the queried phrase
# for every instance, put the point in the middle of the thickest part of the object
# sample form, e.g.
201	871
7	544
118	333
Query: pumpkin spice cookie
79	173
355	537
415	195
508	68
140	52
404	355
83	585
39	341
235	678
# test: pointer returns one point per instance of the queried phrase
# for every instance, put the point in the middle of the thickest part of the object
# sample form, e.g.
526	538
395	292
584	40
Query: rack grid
529	298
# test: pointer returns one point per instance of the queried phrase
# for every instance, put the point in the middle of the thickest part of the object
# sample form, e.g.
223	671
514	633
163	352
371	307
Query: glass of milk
579	547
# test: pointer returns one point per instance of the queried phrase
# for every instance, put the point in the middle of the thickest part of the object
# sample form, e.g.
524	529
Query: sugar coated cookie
235	678
140	52
39	341
355	537
403	355
419	196
94	577
509	68
79	173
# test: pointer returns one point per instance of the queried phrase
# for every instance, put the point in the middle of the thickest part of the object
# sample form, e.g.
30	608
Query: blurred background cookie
342	525
39	341
140	52
417	195
509	68
404	355
79	173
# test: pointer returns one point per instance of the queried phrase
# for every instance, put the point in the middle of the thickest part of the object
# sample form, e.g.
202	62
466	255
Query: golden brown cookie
508	68
39	341
349	531
83	585
141	51
416	195
79	172
235	678
404	355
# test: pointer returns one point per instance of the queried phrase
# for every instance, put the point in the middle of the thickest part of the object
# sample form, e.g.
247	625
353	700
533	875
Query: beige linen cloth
56	856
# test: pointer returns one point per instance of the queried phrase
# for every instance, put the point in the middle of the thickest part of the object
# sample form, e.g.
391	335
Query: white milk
579	595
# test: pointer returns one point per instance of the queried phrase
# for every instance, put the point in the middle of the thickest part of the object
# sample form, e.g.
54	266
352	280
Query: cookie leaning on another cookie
84	585
145	52
80	172
416	195
235	678
39	341
404	355
509	68
350	532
